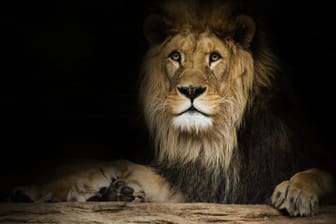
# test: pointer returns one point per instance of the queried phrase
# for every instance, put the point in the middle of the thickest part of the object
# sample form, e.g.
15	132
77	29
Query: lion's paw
124	190
296	201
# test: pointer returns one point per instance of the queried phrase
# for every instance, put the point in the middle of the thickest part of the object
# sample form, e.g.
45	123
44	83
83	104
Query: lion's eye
176	56
214	56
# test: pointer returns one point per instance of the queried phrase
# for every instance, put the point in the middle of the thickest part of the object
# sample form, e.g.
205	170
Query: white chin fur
192	121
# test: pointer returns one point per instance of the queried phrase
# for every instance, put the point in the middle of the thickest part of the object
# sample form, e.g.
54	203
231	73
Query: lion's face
196	67
200	76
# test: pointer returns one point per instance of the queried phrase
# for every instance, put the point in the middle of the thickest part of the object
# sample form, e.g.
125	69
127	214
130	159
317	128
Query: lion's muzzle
192	114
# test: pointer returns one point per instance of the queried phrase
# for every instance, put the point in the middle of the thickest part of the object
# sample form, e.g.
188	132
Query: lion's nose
191	92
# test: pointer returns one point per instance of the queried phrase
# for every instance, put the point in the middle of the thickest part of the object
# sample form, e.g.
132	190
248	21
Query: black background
69	73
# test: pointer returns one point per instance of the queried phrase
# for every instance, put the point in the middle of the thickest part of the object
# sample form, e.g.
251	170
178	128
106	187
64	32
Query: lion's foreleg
109	181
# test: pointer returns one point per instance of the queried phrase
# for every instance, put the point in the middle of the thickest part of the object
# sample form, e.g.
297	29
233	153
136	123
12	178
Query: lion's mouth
192	110
192	119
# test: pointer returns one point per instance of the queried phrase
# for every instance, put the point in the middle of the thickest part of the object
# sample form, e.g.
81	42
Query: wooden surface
155	213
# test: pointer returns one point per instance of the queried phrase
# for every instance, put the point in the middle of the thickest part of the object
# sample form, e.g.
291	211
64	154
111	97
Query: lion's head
200	75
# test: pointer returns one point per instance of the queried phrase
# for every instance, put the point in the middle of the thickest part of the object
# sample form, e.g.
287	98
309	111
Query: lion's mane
232	161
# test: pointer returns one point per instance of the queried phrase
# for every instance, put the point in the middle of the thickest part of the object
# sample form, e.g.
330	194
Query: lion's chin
192	121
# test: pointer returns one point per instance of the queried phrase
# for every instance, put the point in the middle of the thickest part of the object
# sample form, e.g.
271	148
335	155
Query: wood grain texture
157	213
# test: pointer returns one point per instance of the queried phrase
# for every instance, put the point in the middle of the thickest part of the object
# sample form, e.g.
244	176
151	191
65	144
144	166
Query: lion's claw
120	190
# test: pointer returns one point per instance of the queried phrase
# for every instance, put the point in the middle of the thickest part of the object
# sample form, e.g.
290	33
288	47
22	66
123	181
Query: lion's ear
155	29
245	28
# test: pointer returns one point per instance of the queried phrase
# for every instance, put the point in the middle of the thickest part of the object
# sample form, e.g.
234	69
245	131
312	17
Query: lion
209	99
